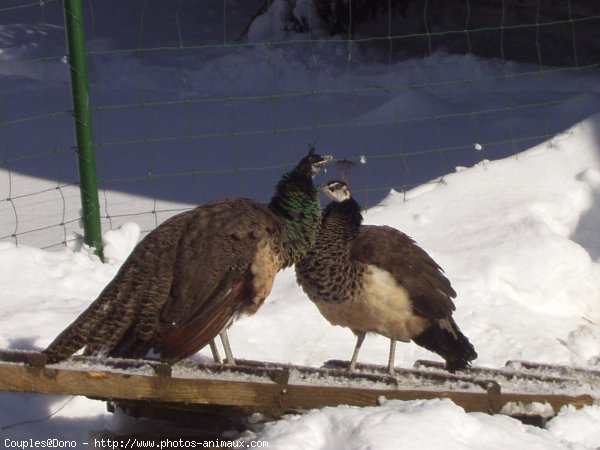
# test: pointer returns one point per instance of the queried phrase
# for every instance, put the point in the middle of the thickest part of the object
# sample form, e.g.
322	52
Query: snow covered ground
518	237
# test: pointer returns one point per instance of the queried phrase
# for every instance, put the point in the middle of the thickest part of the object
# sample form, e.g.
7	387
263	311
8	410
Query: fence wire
197	101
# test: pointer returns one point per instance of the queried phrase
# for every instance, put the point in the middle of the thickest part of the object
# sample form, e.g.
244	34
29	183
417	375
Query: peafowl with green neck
189	278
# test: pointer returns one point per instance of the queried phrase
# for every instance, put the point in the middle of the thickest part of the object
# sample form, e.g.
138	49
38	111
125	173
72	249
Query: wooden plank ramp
276	389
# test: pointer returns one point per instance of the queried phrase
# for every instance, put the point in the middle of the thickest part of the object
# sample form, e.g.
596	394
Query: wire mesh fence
194	101
35	126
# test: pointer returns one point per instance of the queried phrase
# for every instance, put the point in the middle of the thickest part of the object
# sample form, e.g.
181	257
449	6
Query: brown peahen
376	279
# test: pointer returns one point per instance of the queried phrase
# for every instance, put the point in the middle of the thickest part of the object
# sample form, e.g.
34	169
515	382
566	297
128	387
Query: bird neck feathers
344	216
330	255
296	203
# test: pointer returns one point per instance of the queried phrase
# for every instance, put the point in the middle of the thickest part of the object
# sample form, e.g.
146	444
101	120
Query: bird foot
226	362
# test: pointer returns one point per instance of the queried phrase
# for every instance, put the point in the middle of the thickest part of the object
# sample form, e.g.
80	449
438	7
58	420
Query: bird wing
180	286
389	249
217	274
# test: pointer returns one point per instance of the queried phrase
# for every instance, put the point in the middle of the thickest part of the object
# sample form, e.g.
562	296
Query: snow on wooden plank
273	395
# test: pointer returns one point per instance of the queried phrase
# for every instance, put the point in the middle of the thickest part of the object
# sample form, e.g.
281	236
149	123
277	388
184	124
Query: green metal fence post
83	125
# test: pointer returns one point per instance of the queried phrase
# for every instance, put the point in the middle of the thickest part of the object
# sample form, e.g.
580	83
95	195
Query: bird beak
324	160
317	166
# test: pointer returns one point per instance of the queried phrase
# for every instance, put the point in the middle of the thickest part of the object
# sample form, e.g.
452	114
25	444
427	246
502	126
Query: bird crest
344	167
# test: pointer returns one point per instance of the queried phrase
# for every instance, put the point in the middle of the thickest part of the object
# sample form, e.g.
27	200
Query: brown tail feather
77	334
126	307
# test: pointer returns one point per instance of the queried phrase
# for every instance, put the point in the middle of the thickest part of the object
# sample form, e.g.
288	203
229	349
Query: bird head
312	163
336	190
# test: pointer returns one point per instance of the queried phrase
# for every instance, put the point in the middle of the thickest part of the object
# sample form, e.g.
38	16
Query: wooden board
273	398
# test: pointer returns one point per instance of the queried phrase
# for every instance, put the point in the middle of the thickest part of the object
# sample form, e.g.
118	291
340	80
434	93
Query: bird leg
359	341
227	347
392	356
215	352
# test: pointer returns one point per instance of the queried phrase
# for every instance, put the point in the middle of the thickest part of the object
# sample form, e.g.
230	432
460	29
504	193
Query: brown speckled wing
193	334
389	249
213	280
190	273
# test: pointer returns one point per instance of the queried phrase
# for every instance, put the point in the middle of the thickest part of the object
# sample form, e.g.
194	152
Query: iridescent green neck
296	203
